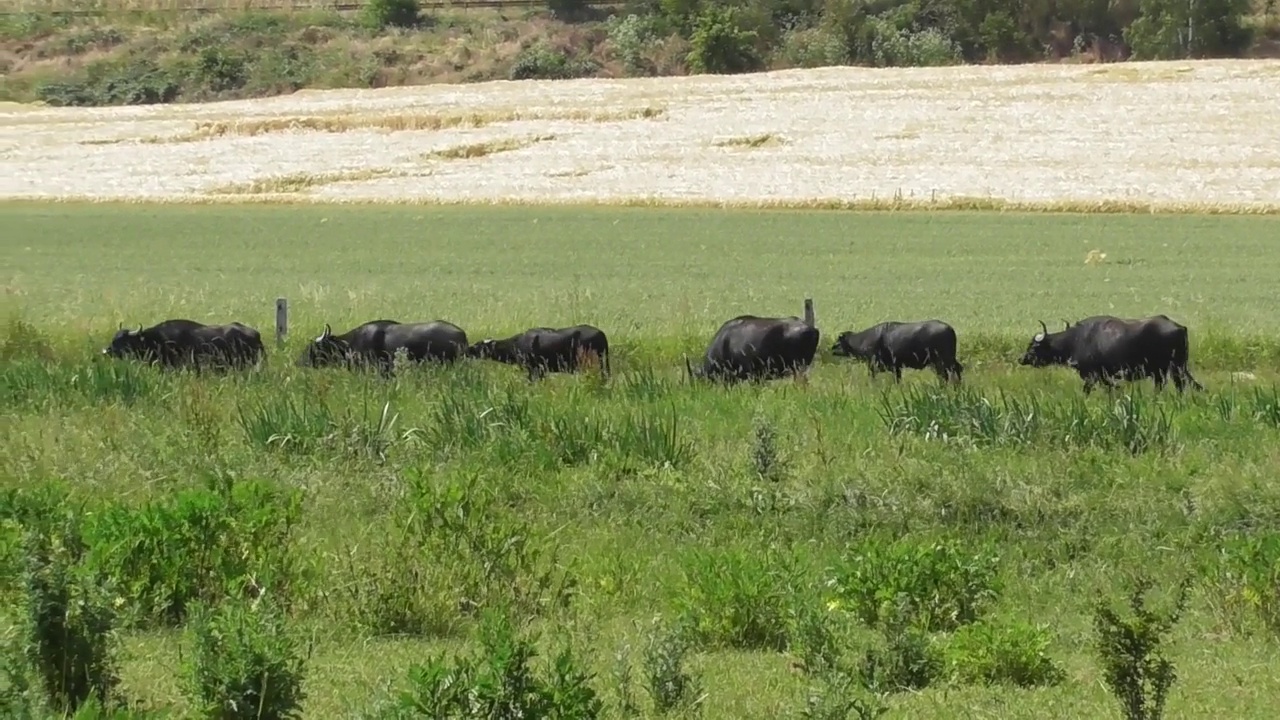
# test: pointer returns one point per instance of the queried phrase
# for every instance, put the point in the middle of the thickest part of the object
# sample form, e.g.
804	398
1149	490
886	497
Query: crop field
801	548
1067	136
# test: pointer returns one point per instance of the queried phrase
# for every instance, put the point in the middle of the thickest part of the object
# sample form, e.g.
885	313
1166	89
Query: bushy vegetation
461	542
124	60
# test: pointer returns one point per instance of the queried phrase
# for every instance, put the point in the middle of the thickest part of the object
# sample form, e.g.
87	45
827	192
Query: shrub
1248	575
73	642
494	559
500	681
130	80
1168	29
229	539
892	47
541	62
837	696
630	37
994	653
940	585
379	14
1130	651
719	44
812	48
244	663
669	684
739	599
906	659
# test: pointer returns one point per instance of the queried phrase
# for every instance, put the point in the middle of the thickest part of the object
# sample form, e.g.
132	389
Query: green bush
1248	577
499	681
129	80
739	598
720	45
1001	653
630	36
906	659
1131	651
542	62
244	663
73	643
379	14
939	585
667	680
229	539
1169	29
813	47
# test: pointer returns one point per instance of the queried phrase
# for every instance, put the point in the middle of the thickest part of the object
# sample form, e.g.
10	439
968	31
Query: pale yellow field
1176	133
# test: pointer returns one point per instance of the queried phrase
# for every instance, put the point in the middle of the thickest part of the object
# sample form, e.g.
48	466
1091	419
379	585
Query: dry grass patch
397	122
749	142
299	182
1122	73
481	149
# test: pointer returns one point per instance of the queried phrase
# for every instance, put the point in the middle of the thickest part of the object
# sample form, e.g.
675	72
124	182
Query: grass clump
484	149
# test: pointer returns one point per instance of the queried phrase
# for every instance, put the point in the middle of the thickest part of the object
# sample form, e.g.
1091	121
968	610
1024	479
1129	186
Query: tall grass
1130	421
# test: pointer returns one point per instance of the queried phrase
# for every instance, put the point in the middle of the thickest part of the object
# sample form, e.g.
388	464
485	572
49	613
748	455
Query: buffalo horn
1066	324
1042	327
327	331
138	331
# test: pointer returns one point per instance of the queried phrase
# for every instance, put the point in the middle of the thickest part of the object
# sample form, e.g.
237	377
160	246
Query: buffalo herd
1100	349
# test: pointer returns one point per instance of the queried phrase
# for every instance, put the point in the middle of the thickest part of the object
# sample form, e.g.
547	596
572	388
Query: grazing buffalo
1104	348
895	345
376	343
750	347
541	350
180	343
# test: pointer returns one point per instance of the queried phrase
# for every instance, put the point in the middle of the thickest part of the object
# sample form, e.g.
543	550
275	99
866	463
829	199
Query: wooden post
282	321
808	312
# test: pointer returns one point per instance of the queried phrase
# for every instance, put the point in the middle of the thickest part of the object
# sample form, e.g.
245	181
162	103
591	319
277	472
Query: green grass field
769	522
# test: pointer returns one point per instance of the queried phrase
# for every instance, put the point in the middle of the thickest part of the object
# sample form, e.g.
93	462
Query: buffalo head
324	350
1043	350
125	342
483	349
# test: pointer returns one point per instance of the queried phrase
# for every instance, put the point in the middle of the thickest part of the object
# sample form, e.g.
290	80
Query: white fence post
282	321
808	312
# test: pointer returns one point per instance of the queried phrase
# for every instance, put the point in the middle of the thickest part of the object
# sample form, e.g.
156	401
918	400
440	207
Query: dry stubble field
757	528
1137	133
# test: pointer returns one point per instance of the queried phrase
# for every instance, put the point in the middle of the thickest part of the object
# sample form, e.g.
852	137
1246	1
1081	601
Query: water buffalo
375	343
895	345
182	343
1103	348
750	347
541	350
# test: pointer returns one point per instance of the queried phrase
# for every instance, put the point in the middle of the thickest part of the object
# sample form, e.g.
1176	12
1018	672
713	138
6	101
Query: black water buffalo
896	345
187	343
541	350
375	343
1103	348
750	347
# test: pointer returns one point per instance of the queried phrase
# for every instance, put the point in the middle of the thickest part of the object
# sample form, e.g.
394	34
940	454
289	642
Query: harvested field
1181	135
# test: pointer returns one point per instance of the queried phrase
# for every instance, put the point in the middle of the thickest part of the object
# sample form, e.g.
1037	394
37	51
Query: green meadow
460	542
